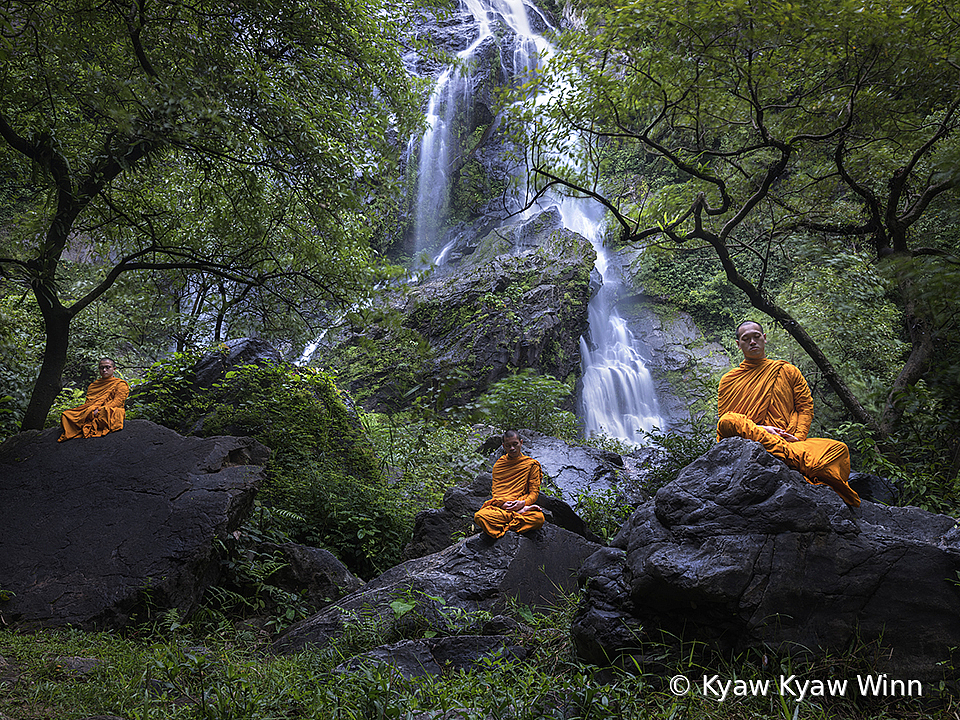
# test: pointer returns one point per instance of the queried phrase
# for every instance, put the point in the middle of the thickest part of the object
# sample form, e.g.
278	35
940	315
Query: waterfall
433	177
618	398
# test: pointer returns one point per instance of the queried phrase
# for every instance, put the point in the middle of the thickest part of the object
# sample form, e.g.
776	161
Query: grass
227	673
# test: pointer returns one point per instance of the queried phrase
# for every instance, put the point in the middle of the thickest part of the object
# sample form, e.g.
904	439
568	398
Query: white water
618	398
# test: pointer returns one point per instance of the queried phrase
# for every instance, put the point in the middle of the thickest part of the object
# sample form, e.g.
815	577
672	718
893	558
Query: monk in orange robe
516	486
103	412
768	401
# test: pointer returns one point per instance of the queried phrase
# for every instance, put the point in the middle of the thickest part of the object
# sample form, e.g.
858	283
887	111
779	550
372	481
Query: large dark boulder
741	552
94	528
213	366
315	573
451	590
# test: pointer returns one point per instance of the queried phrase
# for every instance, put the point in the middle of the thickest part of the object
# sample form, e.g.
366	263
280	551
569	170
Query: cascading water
451	98
618	398
434	180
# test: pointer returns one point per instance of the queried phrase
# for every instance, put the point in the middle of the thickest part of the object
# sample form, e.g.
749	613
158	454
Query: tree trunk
921	351
56	320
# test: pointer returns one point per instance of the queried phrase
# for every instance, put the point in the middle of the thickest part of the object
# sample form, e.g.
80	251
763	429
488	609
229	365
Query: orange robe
773	392
512	480
105	396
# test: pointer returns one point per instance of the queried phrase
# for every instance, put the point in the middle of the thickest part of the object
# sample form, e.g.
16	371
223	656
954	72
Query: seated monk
768	401
516	486
103	411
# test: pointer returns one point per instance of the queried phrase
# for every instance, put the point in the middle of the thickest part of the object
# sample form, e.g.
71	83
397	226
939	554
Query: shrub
323	472
528	400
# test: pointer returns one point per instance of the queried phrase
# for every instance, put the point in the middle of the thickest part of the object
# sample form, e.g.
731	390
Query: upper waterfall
617	398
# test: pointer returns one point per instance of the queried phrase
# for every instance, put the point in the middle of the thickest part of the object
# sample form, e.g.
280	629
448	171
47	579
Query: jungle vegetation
174	175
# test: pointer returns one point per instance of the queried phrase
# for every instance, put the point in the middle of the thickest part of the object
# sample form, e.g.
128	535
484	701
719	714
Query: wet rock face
505	310
92	527
741	552
518	300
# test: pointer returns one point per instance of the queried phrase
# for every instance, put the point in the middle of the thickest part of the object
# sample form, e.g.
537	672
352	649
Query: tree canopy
773	125
243	142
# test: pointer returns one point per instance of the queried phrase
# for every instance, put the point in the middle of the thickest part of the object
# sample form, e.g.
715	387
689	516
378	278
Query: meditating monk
103	412
769	401
516	486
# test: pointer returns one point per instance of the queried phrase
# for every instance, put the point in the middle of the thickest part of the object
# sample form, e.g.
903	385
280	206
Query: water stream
618	397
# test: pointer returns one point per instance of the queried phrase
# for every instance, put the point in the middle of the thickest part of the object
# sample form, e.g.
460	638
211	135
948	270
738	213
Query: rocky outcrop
741	552
518	300
684	365
510	308
93	529
453	591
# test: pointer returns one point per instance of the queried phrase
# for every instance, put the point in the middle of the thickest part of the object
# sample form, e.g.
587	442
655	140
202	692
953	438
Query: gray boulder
313	571
741	552
94	528
213	366
572	469
455	589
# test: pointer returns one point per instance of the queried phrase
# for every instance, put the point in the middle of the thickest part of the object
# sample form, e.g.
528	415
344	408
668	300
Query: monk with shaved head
103	412
768	401
516	486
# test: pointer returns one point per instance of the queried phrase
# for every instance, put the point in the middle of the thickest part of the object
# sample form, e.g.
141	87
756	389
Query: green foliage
790	143
246	587
527	400
20	333
68	398
323	472
604	512
920	458
694	282
420	615
423	457
378	357
171	679
246	153
167	395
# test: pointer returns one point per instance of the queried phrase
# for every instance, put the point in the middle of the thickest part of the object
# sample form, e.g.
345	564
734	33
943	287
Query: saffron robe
774	392
512	480
107	397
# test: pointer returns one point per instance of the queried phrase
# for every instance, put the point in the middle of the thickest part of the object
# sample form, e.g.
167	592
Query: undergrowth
174	673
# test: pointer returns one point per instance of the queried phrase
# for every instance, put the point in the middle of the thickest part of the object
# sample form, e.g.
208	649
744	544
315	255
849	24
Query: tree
779	121
240	141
